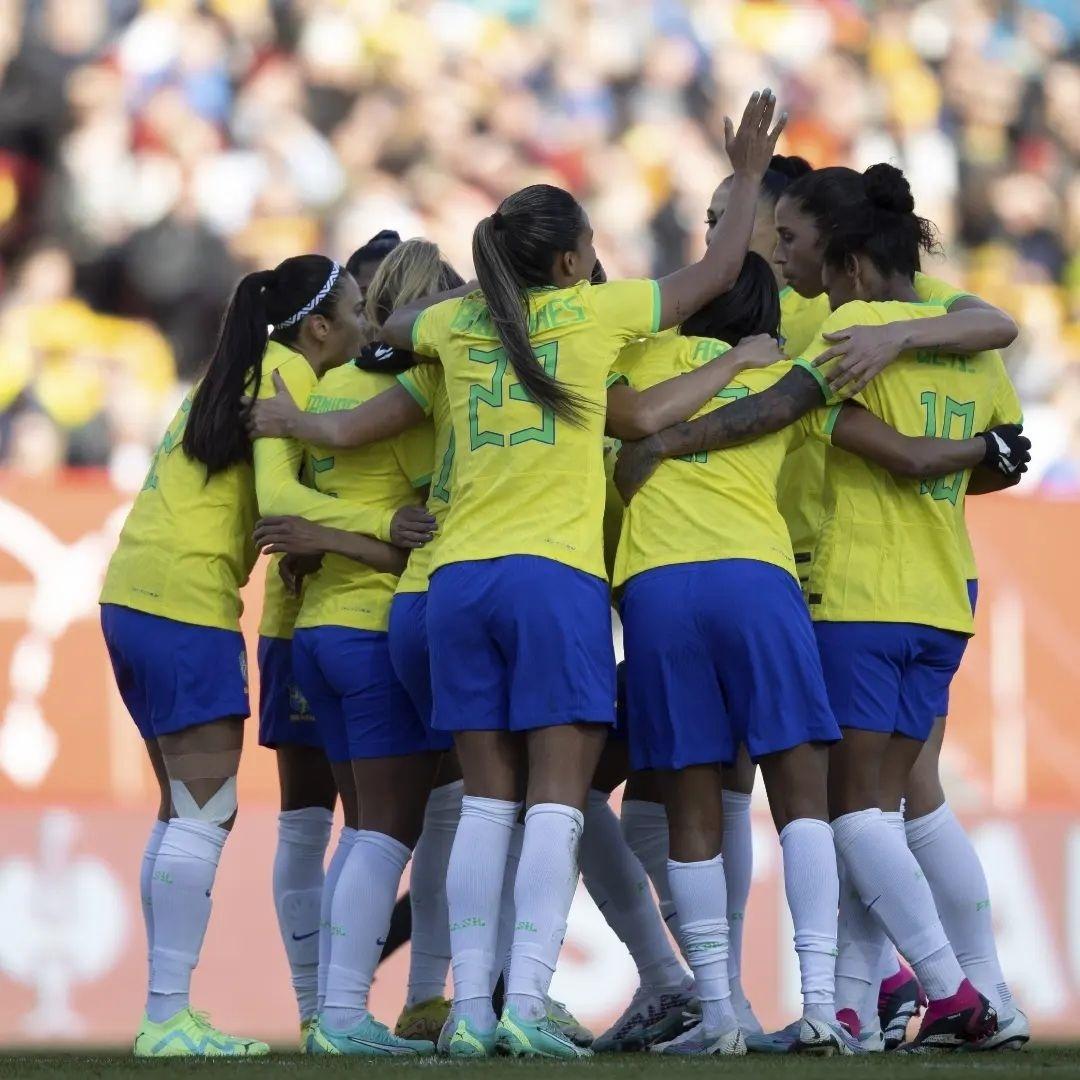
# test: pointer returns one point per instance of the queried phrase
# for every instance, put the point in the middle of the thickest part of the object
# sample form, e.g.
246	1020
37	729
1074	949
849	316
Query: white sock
700	893
619	886
146	881
298	884
956	878
474	884
645	828
184	870
861	946
738	850
813	893
346	839
506	909
888	879
360	912
429	949
547	879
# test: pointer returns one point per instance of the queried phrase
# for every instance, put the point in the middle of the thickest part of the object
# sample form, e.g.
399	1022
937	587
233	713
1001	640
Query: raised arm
971	326
748	418
385	415
634	414
398	328
750	150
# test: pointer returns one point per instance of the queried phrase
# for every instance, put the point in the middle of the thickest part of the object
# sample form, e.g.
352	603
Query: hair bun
790	165
887	189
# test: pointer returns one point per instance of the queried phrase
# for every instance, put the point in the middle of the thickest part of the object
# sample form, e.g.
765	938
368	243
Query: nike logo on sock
303	937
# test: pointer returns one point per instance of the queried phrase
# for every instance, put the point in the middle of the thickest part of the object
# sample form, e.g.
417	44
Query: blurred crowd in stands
152	151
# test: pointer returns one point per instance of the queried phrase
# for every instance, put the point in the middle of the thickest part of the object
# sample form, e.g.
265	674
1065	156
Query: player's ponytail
514	250
882	226
266	304
783	171
751	306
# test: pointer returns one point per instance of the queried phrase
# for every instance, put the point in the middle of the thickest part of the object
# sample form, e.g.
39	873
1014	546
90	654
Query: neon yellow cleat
460	1039
519	1037
423	1020
307	1033
190	1034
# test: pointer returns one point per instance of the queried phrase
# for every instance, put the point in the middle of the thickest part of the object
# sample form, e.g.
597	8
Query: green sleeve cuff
413	390
615	378
383	532
656	306
830	420
421	481
808	365
950	300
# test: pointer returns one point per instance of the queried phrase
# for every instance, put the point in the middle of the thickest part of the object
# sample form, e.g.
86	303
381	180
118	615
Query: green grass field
1045	1061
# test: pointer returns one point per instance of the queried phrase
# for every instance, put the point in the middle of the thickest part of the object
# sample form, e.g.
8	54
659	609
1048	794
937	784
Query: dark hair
751	306
215	432
513	250
827	195
883	226
375	250
783	170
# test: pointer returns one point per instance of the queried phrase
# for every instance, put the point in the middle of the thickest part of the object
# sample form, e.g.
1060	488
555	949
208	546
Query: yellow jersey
381	476
186	548
894	549
424	383
802	479
280	607
526	482
709	505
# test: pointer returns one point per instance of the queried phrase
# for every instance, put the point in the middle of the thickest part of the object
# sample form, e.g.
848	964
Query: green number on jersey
946	488
494	396
440	490
729	393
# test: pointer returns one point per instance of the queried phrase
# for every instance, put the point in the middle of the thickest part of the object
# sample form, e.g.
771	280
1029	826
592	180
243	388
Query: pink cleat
954	1023
899	999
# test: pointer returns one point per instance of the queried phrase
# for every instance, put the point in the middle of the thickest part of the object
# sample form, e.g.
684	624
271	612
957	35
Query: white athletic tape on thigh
218	809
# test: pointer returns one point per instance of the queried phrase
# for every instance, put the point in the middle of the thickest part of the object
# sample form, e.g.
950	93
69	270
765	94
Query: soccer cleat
653	1016
899	1000
559	1014
774	1042
872	1040
953	1022
423	1020
694	1042
460	1039
535	1038
190	1034
369	1038
307	1033
824	1038
1012	1034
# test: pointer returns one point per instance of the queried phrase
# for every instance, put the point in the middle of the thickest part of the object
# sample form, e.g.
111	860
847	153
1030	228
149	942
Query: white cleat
774	1042
653	1016
695	1042
873	1041
826	1039
1012	1034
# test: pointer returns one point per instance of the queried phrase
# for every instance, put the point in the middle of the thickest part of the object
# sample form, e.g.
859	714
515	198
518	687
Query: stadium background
151	152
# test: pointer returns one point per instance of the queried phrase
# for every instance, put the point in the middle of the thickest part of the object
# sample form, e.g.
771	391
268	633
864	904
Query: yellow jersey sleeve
280	607
627	308
857	313
277	461
800	317
414	450
932	290
422	384
431	327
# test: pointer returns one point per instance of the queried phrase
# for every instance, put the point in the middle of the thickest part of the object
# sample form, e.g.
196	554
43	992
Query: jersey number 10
942	425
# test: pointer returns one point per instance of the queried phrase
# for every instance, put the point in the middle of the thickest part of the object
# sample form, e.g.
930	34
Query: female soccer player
171	605
518	611
887	559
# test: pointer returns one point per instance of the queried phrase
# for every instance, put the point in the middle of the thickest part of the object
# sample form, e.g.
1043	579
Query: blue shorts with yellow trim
174	675
517	643
285	718
361	709
412	659
720	653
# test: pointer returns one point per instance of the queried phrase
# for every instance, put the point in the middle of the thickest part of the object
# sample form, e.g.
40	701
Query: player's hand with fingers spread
751	147
758	351
411	527
271	417
1008	450
637	461
861	353
290	536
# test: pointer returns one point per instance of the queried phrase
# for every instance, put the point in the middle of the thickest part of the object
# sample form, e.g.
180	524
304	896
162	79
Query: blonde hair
412	270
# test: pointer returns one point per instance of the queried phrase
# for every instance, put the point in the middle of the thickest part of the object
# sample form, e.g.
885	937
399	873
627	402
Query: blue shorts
174	675
889	677
361	710
720	653
285	718
941	705
411	660
518	643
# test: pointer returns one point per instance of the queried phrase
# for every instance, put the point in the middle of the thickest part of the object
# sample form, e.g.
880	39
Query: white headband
314	302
